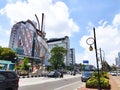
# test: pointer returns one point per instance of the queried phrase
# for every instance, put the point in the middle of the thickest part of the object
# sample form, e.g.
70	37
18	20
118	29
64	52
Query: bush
24	65
23	72
93	81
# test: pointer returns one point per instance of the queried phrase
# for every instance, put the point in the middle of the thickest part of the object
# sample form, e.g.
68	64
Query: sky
73	18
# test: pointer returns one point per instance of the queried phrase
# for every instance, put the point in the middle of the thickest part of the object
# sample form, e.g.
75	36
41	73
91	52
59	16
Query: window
2	77
11	75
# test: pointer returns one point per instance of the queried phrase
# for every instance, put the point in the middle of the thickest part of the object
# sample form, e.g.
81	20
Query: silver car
85	76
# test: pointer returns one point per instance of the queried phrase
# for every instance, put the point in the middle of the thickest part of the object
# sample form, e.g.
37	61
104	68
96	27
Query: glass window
11	75
2	77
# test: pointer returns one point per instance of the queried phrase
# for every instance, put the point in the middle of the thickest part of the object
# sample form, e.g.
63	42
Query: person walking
61	74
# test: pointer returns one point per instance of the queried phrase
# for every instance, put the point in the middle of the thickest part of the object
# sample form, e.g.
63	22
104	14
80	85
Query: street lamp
102	58
90	41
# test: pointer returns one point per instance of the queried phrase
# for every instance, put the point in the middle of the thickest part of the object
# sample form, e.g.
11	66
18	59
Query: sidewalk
114	82
37	80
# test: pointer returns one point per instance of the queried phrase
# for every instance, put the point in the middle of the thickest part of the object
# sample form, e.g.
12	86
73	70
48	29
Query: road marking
67	85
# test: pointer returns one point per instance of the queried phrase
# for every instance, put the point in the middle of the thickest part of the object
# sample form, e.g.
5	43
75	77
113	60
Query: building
25	39
117	60
72	56
63	42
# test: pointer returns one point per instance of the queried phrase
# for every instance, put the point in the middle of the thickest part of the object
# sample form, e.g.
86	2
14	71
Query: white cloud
116	20
108	39
56	15
3	35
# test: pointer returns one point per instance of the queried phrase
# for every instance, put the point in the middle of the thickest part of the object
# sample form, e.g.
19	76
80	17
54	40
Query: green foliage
7	54
69	68
113	67
93	81
57	57
102	74
104	82
105	75
24	65
105	66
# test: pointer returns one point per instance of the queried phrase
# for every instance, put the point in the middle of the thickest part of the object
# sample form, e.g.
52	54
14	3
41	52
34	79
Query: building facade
72	56
63	42
118	60
25	40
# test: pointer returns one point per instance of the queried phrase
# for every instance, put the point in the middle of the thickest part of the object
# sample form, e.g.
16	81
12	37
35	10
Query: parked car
9	80
73	72
54	73
90	68
113	73
85	76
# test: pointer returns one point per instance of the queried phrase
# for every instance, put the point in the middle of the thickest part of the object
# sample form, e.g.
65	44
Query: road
61	84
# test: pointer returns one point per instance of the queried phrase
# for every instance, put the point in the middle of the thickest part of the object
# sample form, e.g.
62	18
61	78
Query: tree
7	54
24	65
57	57
105	66
113	67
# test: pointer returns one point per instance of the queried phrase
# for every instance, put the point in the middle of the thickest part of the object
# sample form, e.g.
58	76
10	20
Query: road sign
85	61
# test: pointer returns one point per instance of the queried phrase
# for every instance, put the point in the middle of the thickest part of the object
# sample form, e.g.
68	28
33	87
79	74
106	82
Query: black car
85	76
9	80
54	74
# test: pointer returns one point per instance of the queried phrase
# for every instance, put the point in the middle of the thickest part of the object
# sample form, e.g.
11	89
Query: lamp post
102	58
90	41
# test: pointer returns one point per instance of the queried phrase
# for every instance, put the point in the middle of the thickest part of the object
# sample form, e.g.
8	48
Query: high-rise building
63	42
25	40
72	56
118	59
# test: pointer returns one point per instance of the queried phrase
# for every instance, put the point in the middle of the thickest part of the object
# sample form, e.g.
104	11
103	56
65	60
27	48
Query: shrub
93	81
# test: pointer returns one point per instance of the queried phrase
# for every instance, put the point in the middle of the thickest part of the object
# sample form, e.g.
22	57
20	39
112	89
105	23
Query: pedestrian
61	74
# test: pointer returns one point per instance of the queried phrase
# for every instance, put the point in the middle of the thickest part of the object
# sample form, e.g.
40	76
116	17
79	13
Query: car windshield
87	74
52	72
89	68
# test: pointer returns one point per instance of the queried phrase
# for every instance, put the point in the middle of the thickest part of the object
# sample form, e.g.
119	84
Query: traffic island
112	81
92	83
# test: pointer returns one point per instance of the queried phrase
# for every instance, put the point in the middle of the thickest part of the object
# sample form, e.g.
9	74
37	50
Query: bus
6	65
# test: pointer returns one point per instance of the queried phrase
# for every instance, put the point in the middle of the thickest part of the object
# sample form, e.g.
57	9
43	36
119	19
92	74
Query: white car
113	73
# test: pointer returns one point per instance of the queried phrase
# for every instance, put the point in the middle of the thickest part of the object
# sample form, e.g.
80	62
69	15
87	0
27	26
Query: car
113	73
90	68
9	80
86	75
73	72
54	73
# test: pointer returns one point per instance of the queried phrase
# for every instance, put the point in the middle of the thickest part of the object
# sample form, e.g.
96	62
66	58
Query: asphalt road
63	84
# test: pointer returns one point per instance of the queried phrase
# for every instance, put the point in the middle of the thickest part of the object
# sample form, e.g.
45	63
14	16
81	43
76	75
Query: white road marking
67	85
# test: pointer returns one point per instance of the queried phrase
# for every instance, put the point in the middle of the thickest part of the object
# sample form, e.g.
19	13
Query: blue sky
74	18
